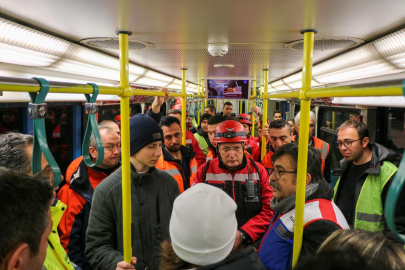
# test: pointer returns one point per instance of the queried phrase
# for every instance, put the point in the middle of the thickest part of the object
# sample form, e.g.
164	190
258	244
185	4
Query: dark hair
280	124
227	103
204	116
292	120
24	206
277	111
337	260
373	247
216	119
361	128
211	108
174	111
314	163
234	118
13	152
168	121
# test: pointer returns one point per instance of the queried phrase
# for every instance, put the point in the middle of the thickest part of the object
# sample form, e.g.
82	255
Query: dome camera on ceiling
218	50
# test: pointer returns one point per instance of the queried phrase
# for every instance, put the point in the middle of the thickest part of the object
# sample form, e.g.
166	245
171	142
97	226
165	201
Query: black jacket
379	155
247	259
152	197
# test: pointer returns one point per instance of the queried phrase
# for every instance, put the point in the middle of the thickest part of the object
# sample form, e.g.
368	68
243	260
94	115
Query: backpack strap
257	168
206	169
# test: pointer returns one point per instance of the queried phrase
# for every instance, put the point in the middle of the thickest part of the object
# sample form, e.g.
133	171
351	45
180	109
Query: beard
174	147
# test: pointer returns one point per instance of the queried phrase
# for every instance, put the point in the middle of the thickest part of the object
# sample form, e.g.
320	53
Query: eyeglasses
347	144
111	147
277	173
237	149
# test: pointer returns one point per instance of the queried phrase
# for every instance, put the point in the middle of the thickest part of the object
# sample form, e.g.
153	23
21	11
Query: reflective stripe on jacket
56	257
277	244
177	172
253	213
369	212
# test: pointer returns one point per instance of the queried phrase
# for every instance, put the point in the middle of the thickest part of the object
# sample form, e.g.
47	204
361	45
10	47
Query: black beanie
204	116
144	131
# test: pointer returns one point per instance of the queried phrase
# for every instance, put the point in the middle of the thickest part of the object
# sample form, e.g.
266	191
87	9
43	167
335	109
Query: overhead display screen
228	89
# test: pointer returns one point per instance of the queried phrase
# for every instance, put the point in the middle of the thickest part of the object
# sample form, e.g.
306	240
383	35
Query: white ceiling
181	30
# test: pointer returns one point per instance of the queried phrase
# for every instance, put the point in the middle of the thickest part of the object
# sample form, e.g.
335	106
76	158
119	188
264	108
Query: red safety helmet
117	119
245	118
230	131
177	107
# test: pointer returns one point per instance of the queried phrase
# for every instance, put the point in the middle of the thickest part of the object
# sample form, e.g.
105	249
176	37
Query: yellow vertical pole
333	120
203	93
253	106
265	102
125	145
199	103
303	142
183	104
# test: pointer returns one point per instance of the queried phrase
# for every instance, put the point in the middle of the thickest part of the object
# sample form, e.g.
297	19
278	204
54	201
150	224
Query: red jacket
253	214
78	197
253	147
199	154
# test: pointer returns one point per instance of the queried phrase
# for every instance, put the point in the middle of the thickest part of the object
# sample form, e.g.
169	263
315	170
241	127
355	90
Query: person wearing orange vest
279	134
191	142
252	144
243	179
319	144
177	160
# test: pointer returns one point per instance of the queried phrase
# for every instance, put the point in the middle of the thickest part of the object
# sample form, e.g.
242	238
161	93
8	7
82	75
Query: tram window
396	130
58	122
11	120
109	112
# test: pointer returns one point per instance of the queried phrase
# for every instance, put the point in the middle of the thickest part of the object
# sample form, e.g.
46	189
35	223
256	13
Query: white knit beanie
203	225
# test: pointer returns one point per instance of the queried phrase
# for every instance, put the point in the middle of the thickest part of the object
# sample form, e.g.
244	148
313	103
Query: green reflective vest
369	214
201	141
56	257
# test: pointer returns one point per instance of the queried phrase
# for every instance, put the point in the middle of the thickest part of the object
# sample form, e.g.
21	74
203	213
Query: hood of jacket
379	155
201	132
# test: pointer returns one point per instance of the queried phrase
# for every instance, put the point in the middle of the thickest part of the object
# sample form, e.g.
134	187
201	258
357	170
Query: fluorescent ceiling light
280	85
60	79
174	86
136	70
149	82
20	36
20	56
157	76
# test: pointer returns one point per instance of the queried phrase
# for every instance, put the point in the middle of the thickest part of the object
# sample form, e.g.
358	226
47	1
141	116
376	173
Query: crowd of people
210	204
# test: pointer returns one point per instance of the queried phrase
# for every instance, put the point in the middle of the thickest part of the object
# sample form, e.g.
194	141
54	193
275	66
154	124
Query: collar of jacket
201	132
80	180
379	155
185	152
139	178
313	191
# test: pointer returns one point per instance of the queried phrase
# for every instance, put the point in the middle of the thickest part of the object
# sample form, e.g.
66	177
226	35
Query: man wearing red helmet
252	143
244	180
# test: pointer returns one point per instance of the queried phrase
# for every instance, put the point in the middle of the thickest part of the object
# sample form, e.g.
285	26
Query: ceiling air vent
113	44
327	43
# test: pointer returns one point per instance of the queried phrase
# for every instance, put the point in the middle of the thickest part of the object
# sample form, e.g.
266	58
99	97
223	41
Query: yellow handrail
183	105
199	113
253	106
303	144
265	102
125	147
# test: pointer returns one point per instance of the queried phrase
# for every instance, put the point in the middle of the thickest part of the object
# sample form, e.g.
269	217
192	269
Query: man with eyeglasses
321	216
367	173
243	179
317	143
78	194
